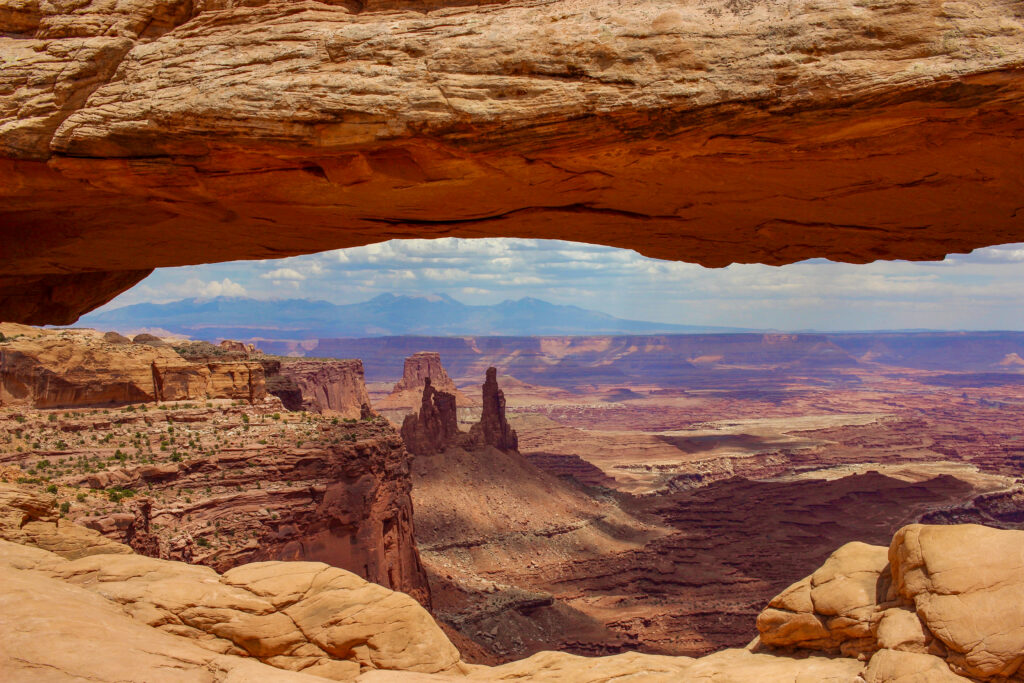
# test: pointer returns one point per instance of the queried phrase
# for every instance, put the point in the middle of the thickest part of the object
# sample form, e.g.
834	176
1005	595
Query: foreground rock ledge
942	604
166	132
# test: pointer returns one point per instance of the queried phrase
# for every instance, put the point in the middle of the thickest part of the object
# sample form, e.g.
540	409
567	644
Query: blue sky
981	290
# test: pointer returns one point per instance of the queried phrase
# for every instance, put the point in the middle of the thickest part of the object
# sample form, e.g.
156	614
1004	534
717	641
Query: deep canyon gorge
588	518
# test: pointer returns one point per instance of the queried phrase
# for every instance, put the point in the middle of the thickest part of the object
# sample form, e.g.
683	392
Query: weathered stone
30	518
435	426
966	585
50	369
714	132
493	429
330	387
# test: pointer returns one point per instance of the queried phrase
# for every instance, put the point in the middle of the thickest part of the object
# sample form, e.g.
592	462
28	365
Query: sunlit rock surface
165	132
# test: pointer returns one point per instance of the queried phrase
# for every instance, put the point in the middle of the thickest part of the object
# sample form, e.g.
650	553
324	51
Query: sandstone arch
167	132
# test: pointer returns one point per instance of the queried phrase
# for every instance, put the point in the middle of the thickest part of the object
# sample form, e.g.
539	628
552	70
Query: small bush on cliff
116	494
202	543
65	507
52	488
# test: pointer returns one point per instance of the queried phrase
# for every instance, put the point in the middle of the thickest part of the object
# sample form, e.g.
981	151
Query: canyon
868	613
592	518
279	509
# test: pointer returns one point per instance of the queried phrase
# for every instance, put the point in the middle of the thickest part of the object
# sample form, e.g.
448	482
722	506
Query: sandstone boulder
967	586
949	594
297	616
29	517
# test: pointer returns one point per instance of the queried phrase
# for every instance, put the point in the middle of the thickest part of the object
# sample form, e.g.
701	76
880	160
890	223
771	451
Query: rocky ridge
47	369
162	620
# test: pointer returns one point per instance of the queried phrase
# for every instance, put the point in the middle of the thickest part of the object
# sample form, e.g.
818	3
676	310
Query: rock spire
493	429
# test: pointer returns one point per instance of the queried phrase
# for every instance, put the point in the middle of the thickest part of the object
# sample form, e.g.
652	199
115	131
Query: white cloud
283	274
981	289
194	287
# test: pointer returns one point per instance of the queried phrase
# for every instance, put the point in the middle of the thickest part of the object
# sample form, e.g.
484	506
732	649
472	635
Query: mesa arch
166	132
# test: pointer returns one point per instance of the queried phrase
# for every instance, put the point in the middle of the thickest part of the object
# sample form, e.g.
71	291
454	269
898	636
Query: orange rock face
167	132
335	387
48	370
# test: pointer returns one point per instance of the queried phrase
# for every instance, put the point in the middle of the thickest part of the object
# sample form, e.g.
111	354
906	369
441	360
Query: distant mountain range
384	315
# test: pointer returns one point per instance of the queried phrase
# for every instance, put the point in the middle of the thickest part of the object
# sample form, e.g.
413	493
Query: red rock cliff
238	485
336	387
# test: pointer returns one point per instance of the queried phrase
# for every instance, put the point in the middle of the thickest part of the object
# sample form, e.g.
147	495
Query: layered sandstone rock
114	617
713	132
48	369
336	387
418	368
951	593
340	496
493	428
30	518
145	614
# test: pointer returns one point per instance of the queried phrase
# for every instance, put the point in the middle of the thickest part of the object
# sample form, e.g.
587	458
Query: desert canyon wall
335	387
715	133
47	369
228	475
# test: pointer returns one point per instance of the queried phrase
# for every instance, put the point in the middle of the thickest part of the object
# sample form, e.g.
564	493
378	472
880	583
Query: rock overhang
712	133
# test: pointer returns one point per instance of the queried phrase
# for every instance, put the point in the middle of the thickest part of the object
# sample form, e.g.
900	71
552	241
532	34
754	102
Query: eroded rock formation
229	484
436	426
160	620
418	368
954	592
714	132
336	387
493	429
47	369
114	617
